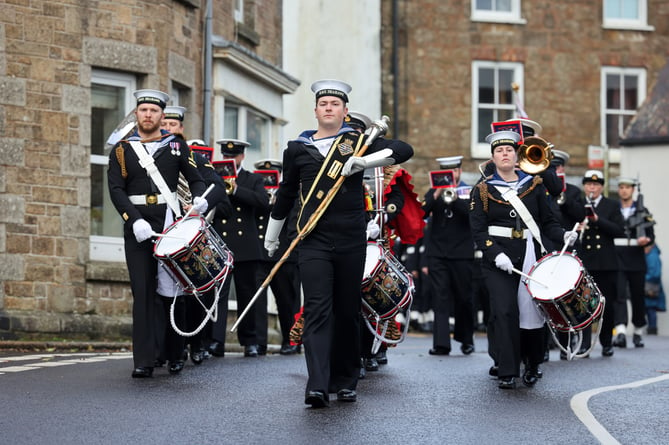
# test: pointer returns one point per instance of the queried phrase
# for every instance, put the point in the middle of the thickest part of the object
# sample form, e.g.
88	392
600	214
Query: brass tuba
535	155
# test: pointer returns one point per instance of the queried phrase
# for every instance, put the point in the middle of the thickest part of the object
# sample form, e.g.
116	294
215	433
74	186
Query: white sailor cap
174	112
627	181
450	162
151	97
559	157
331	87
502	138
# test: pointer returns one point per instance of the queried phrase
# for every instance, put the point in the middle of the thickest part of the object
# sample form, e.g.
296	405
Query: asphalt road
84	398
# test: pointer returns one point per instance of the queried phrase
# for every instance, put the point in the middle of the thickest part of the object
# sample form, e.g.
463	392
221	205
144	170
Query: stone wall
47	52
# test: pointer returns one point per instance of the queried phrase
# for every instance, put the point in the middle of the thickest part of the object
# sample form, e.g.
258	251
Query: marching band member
331	257
510	218
240	233
148	204
632	259
450	253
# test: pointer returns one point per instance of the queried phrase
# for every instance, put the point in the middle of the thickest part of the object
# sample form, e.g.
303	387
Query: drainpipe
206	99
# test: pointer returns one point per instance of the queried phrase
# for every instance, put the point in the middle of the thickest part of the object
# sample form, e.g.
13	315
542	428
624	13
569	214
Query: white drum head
372	258
560	274
180	234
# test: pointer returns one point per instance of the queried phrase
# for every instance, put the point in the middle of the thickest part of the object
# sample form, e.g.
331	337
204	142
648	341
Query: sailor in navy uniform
598	252
240	233
632	258
143	207
450	253
516	328
285	284
331	257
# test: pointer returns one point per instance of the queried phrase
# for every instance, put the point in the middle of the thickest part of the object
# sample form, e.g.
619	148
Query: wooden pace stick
377	129
522	274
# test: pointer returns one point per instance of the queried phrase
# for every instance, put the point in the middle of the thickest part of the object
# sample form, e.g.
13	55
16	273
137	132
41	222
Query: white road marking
39	361
579	405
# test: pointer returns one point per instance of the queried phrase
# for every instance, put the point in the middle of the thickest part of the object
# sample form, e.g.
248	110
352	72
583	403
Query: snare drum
387	287
570	298
195	256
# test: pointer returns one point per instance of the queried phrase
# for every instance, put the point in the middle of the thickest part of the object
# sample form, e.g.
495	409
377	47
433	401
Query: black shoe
539	372
506	383
381	358
288	349
637	340
620	341
530	377
493	371
439	350
547	356
142	372
563	355
652	331
363	372
217	349
583	352
176	367
346	395
317	399
251	351
262	349
467	349
197	357
184	354
607	351
158	363
371	364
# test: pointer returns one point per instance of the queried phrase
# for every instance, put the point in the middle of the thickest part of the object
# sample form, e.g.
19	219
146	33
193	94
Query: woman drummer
503	209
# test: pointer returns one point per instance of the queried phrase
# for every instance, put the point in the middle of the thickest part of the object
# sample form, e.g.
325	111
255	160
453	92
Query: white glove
274	227
503	262
200	205
570	237
357	164
373	229
142	230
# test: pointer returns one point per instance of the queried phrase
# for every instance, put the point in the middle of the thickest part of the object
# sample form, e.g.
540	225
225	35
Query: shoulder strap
511	196
147	162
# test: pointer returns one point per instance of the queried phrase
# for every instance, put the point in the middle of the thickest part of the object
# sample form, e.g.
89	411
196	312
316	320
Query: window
492	99
111	102
623	91
239	11
241	122
626	14
505	11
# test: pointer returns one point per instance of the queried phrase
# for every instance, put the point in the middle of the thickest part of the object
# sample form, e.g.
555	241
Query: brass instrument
449	195
230	185
535	155
183	191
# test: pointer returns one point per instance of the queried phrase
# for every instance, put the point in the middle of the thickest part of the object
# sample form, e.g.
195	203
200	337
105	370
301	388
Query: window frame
640	23
252	154
110	248
481	149
641	76
513	16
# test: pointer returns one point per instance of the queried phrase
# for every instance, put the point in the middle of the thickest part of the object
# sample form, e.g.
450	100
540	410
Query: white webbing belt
507	232
511	196
147	162
624	242
146	199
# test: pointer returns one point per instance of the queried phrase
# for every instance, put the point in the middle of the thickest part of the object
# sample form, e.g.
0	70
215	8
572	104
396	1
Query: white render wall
331	40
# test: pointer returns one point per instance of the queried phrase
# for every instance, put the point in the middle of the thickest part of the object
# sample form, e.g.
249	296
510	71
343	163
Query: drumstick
564	248
522	274
206	192
165	235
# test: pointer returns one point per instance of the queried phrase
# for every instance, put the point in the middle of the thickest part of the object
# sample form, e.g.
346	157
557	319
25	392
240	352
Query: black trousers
607	282
332	297
286	289
146	303
508	345
635	282
170	343
451	284
245	275
216	332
